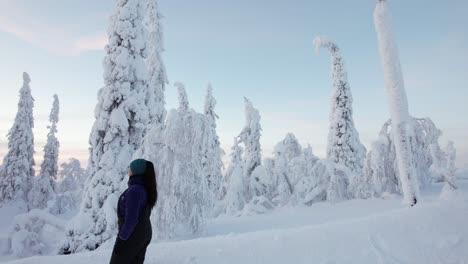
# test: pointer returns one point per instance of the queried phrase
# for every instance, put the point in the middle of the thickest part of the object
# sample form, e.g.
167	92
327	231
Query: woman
133	211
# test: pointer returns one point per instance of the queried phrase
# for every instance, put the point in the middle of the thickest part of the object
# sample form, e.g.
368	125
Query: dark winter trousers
131	254
133	250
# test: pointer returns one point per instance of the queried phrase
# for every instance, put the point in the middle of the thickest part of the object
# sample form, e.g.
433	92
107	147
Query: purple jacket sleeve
135	201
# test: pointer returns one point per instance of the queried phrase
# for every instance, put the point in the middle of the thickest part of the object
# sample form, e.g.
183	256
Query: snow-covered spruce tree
250	136
284	152
72	176
235	199
398	102
18	165
211	161
157	77
451	156
183	191
344	146
43	188
122	117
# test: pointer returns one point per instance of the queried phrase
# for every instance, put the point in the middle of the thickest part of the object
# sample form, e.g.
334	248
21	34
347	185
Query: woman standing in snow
133	211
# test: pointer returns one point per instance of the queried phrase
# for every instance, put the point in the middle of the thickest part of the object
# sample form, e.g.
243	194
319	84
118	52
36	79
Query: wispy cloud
55	38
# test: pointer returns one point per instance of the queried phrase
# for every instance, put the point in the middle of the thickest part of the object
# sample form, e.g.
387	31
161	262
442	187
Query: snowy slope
359	231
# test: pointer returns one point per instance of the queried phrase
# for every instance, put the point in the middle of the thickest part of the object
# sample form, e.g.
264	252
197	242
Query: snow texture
17	169
402	131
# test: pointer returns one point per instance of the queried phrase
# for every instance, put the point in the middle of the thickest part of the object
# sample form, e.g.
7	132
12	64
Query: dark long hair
150	184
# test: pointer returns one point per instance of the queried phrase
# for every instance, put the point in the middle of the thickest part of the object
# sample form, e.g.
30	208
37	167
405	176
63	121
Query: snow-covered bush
34	233
18	164
258	205
284	152
381	166
328	181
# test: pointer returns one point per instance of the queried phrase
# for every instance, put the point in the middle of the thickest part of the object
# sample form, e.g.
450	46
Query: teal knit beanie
138	166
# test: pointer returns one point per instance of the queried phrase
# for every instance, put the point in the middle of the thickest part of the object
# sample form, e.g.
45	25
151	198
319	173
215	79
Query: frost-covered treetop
54	113
252	116
183	99
26	79
325	42
289	147
210	103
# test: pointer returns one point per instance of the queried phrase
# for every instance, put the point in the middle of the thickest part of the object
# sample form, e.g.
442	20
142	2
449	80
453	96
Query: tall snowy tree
398	102
43	188
451	156
18	165
344	146
235	199
184	196
157	77
122	117
211	162
250	136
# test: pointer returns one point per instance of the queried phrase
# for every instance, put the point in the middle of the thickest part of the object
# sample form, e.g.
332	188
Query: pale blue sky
261	49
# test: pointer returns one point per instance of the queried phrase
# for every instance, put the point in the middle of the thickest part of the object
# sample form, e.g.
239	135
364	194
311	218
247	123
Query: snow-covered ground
356	231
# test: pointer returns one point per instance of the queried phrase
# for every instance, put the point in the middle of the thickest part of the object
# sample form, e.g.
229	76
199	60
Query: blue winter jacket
131	204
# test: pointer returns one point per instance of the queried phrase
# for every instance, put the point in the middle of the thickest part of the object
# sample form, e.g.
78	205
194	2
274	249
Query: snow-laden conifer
344	146
250	137
211	161
235	198
157	77
122	118
17	169
43	188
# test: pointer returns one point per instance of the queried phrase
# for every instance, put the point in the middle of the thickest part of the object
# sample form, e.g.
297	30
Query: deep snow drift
354	231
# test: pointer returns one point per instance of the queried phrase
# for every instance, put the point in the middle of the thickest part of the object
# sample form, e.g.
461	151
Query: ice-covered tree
183	191
235	199
450	156
43	188
122	117
157	77
344	146
72	176
398	102
284	152
250	136
211	161
18	165
381	166
49	166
